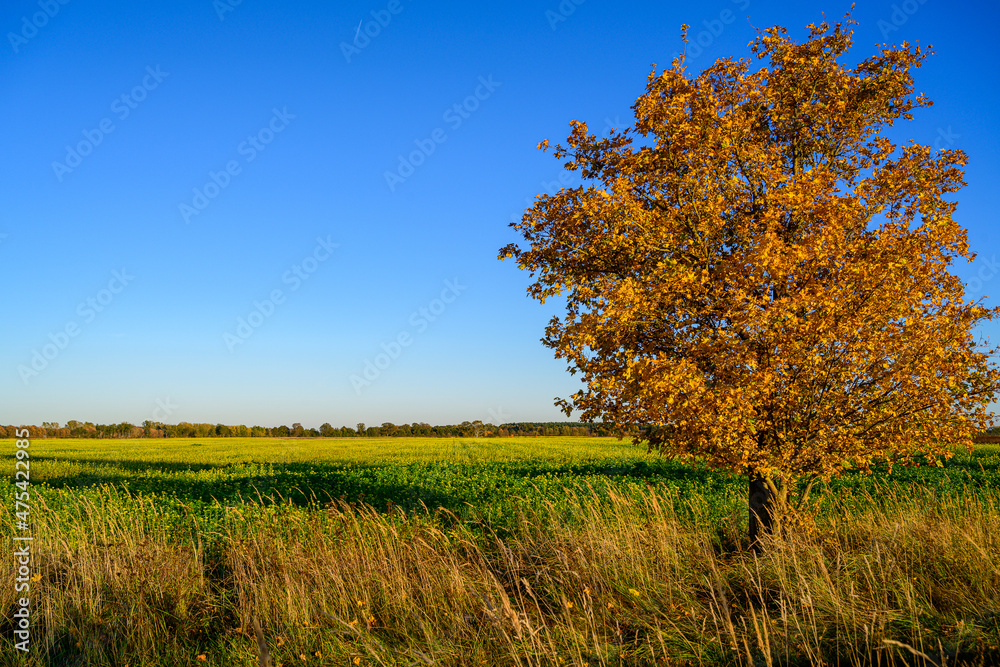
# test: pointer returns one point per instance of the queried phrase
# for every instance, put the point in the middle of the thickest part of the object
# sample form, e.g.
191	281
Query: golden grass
592	582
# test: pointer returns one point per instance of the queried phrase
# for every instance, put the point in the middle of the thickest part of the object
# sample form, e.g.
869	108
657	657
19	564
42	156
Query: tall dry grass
903	577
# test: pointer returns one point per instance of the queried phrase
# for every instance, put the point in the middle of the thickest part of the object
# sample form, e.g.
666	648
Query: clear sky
170	167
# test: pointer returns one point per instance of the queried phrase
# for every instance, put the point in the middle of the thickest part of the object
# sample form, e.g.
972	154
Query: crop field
513	551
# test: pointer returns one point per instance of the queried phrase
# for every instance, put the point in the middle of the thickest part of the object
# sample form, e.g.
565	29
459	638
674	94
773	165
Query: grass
535	551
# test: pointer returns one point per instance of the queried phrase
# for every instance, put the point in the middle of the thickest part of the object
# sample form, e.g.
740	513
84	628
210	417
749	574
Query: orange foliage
757	268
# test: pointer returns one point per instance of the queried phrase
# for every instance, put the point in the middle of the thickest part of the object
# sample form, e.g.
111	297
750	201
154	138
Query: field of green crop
229	518
476	478
473	477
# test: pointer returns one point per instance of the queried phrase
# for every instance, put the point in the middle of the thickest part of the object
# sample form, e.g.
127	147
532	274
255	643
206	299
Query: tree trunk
761	510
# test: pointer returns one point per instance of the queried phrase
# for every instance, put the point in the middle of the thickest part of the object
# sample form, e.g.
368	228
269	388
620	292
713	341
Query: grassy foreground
538	551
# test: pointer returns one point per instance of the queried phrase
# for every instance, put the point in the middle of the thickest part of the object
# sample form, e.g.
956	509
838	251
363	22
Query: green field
476	478
487	551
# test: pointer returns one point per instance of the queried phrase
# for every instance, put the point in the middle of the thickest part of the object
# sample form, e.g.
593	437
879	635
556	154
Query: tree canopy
756	268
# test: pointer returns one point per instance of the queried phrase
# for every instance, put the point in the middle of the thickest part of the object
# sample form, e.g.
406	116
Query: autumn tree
754	269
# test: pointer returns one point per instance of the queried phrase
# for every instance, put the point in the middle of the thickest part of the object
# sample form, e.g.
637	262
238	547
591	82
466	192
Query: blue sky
235	152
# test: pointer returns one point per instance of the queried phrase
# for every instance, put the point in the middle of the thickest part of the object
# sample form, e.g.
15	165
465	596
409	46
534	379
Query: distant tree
758	267
388	429
153	429
326	430
297	430
361	428
123	430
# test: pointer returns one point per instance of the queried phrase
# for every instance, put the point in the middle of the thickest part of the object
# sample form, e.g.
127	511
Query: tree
122	430
757	272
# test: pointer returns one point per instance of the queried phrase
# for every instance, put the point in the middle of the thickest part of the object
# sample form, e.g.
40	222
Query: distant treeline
150	429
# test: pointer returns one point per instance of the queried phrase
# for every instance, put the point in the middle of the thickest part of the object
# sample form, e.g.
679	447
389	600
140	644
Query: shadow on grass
381	486
448	485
